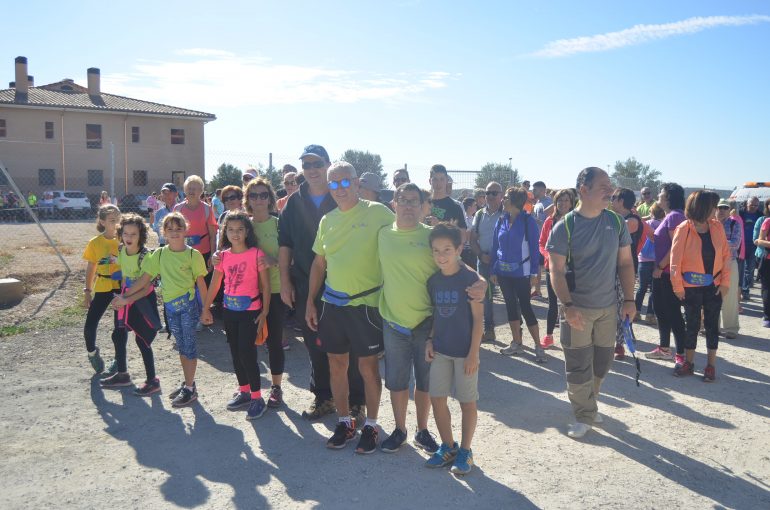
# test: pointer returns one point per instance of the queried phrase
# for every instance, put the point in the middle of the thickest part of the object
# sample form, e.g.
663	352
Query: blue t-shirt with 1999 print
452	318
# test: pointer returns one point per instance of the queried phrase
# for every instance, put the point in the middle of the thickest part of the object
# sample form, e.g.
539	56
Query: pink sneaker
678	359
659	353
546	342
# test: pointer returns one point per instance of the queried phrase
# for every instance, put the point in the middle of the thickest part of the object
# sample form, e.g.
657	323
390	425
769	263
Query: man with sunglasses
290	186
297	229
482	233
400	176
643	209
348	322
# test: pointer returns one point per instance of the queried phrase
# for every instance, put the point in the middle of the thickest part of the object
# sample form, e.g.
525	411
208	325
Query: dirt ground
671	442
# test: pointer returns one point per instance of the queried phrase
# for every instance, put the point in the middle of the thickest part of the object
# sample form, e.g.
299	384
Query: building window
94	136
135	134
177	137
49	130
46	177
3	179
140	178
2	128
96	178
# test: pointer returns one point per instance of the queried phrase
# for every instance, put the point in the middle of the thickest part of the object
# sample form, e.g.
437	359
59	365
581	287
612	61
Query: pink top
241	274
766	229
198	220
739	221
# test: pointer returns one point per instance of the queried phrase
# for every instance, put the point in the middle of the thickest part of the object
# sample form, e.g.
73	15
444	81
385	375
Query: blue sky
553	85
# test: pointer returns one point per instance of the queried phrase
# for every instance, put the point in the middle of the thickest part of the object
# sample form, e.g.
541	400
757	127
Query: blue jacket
513	253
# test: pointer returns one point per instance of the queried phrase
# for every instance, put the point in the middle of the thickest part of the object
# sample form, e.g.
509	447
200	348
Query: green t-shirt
178	271
643	209
407	263
129	264
348	241
267	239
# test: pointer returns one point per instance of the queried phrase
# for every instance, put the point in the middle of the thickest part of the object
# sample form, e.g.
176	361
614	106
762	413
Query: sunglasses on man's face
230	197
264	195
400	179
646	193
492	193
335	185
289	183
306	165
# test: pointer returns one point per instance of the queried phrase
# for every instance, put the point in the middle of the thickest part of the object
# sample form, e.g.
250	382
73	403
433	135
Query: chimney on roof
94	85
22	85
31	80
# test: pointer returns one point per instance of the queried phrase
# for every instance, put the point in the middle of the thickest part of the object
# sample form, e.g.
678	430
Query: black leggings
668	311
144	329
708	301
517	301
275	319
241	333
553	306
99	304
764	275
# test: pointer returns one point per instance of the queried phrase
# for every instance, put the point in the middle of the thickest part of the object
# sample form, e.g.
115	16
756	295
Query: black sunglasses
306	165
230	197
492	193
264	195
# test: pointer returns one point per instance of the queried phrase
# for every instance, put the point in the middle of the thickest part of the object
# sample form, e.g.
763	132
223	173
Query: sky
548	86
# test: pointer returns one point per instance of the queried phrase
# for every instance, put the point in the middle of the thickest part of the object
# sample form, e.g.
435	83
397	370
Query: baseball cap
315	150
169	186
723	203
370	181
249	174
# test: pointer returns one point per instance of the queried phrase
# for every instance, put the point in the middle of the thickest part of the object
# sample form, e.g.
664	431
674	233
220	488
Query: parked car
134	203
70	203
761	190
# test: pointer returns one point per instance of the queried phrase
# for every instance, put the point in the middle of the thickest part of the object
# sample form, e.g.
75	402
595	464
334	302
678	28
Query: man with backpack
482	233
586	250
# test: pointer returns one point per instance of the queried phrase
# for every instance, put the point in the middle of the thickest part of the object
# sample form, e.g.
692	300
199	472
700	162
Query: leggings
553	306
99	304
764	275
708	301
241	333
517	302
145	329
668	311
275	319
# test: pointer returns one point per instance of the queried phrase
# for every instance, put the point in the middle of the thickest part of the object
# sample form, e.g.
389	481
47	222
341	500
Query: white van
66	203
761	190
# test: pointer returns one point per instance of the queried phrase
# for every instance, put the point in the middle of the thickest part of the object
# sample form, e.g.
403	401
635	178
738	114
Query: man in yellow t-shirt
349	321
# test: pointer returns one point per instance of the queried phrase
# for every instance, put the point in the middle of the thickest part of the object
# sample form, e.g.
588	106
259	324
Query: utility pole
112	172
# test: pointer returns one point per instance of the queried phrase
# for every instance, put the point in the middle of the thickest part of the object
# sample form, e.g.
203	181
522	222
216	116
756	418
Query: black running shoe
368	442
425	440
185	398
116	380
342	435
148	388
176	392
394	441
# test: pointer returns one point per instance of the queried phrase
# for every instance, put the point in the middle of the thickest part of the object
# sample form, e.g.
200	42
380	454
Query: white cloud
212	79
641	34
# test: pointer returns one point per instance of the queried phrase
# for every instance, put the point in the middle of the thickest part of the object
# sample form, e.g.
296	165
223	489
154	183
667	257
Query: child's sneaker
443	456
463	462
540	356
186	397
546	342
97	363
177	391
425	440
276	397
368	442
240	399
148	388
683	369
343	434
620	352
513	350
256	409
709	374
116	380
660	353
394	441
111	369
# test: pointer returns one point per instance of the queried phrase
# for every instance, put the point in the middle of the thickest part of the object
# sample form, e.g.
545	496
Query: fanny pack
194	240
648	250
398	327
179	304
507	268
699	279
238	303
341	298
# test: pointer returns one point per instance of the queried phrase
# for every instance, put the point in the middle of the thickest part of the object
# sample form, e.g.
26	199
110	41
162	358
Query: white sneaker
578	430
598	419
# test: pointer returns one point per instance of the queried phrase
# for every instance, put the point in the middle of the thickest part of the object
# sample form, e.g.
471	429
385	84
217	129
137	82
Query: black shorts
346	329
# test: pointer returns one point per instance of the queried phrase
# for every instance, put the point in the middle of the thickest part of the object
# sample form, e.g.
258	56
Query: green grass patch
12	330
70	316
5	259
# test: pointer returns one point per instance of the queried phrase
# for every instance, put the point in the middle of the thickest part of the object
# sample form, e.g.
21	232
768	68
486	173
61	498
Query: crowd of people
413	281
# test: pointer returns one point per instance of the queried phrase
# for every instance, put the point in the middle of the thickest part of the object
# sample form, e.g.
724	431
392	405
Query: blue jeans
489	320
182	320
645	282
747	273
403	352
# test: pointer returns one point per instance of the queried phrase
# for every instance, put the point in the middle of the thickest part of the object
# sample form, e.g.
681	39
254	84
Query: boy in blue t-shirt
452	348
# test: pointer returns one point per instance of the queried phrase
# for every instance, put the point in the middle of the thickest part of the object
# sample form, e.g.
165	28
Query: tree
498	172
365	161
226	174
273	175
634	175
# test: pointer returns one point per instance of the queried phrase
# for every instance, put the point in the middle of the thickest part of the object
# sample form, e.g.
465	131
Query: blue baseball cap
316	150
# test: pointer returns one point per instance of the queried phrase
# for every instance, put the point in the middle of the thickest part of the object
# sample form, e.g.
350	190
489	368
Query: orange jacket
686	254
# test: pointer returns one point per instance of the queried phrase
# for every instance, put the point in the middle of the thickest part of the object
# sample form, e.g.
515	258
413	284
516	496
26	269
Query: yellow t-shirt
348	241
267	240
178	270
103	252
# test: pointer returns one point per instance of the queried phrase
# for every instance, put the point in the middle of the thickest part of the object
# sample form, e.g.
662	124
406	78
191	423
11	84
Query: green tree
497	172
365	161
226	174
273	175
634	175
